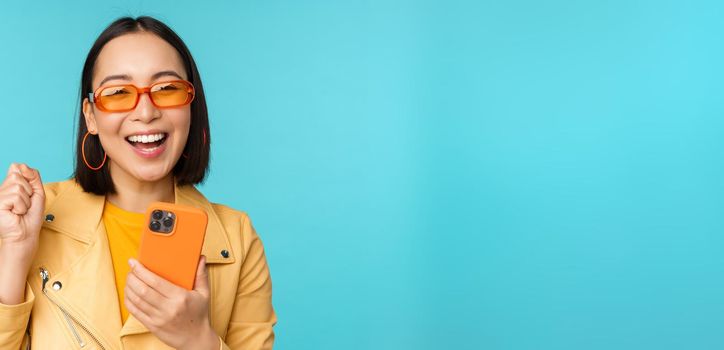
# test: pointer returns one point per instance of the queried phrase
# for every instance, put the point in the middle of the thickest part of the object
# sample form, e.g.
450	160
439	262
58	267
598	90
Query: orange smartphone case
174	255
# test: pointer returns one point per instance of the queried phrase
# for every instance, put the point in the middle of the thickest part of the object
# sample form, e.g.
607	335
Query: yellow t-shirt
123	229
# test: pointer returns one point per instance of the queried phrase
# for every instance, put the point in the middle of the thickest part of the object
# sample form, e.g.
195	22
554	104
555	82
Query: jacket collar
78	214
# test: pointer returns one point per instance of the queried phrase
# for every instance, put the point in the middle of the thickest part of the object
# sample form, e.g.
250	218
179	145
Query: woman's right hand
22	202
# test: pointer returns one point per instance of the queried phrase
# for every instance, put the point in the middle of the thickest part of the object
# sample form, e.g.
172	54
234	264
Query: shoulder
53	189
237	225
232	219
229	213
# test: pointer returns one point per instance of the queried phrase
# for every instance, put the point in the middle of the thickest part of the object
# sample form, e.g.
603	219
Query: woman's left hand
178	317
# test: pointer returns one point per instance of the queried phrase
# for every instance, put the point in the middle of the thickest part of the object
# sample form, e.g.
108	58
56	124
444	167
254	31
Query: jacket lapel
75	213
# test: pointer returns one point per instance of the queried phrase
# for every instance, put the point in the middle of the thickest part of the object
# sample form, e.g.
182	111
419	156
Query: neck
135	195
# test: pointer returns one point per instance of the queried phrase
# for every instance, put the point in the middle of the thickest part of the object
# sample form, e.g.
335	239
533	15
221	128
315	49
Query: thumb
201	284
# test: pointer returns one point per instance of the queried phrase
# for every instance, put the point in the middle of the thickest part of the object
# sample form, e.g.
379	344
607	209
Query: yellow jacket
71	300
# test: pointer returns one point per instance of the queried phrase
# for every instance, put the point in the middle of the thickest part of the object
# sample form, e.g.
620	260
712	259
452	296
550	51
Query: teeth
145	138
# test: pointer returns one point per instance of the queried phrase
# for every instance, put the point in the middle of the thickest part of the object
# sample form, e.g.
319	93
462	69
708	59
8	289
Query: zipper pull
45	275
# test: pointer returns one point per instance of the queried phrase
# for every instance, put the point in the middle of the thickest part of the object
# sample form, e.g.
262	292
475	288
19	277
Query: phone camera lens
157	214
155	226
168	222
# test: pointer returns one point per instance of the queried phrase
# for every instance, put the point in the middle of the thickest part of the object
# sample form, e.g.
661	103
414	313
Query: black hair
188	170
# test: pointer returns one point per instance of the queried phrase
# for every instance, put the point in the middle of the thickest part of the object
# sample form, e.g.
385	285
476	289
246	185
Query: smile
148	145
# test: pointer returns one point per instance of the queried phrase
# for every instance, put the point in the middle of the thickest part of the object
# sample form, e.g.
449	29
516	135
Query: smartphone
171	241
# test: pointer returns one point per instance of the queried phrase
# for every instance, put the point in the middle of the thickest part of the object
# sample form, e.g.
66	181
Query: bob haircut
187	170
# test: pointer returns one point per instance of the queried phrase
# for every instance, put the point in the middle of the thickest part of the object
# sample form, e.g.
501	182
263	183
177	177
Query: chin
151	175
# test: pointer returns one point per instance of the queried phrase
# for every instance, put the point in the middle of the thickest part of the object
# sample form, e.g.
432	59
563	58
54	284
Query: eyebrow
128	77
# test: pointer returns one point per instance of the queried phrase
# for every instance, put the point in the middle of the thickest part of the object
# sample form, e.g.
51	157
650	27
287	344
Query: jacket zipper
68	317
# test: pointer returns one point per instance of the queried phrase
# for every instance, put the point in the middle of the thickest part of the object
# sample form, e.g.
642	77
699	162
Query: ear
90	117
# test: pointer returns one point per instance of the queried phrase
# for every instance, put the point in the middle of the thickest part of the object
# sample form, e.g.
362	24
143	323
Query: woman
68	279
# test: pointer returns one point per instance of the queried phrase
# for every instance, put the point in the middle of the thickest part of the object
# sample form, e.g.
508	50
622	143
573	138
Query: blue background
440	175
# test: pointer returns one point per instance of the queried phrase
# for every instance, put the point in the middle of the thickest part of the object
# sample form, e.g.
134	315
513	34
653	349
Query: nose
145	110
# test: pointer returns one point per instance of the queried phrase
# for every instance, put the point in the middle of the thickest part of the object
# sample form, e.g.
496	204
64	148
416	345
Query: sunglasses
124	98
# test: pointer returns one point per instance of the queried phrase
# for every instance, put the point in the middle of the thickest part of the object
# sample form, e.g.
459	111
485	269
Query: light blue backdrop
440	175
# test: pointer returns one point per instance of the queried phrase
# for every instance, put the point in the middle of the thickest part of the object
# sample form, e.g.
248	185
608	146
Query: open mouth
147	143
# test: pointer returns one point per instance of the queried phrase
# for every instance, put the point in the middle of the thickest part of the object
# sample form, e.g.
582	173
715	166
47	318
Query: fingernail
132	263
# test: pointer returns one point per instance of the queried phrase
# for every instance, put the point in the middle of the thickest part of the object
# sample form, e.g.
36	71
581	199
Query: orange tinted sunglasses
123	98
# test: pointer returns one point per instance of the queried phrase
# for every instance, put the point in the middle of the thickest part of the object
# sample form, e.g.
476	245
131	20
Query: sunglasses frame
93	96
